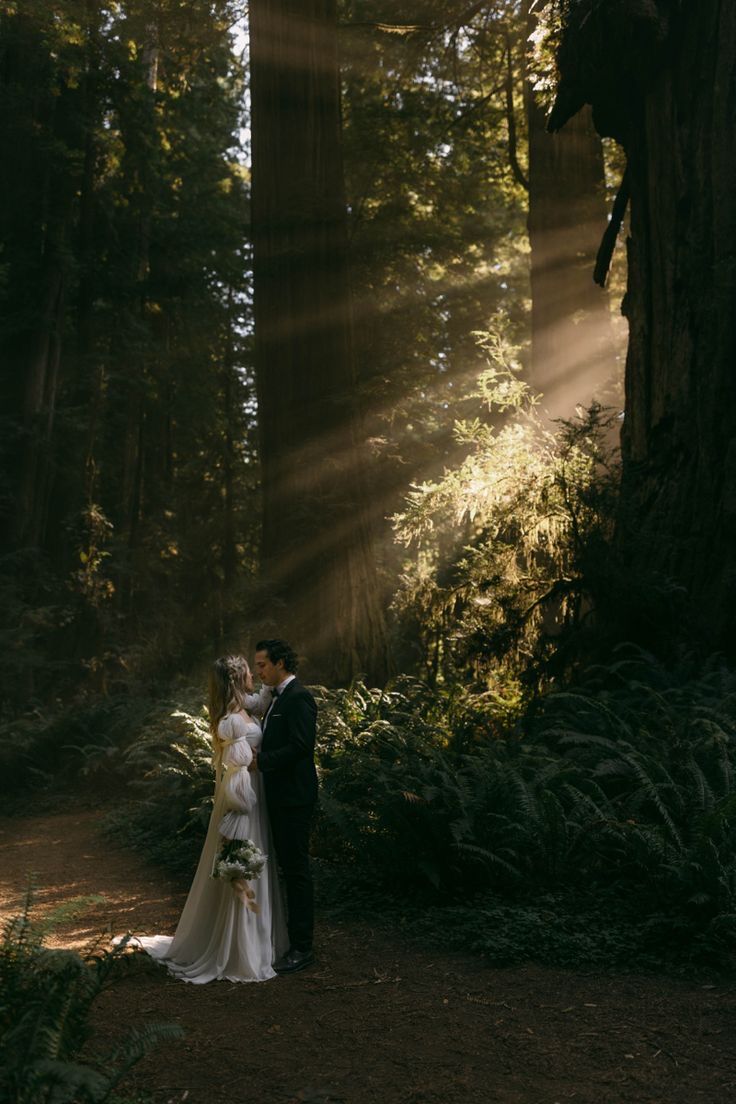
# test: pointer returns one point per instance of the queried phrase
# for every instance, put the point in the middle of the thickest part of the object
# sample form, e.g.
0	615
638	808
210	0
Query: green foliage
128	444
61	744
509	546
621	796
437	226
37	607
574	930
168	766
593	825
661	749
46	998
544	42
393	776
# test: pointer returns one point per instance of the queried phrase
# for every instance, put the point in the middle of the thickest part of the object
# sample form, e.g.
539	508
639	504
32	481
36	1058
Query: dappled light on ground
74	861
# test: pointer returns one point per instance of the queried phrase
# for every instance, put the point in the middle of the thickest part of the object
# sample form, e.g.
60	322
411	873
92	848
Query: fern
46	998
622	787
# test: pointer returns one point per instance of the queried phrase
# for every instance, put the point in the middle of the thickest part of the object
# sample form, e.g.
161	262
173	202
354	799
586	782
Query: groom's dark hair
279	649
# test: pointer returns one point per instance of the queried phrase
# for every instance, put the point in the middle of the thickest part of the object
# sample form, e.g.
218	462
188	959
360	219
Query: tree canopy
173	484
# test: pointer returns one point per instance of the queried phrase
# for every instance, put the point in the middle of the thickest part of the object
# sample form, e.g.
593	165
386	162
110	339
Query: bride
219	935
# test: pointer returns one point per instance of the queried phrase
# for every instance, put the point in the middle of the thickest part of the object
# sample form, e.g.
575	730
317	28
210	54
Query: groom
286	760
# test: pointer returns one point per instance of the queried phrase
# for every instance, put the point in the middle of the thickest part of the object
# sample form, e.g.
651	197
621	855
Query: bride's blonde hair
227	689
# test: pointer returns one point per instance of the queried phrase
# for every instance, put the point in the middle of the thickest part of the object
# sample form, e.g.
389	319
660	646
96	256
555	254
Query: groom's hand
253	765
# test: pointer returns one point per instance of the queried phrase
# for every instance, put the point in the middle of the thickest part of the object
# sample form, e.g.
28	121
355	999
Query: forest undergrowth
589	827
597	830
516	797
46	999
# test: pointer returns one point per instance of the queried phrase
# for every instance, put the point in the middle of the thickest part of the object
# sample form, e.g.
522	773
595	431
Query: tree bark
37	347
316	547
676	121
229	553
139	136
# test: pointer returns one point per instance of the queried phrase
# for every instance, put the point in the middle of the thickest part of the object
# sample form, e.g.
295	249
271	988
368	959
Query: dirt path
375	1022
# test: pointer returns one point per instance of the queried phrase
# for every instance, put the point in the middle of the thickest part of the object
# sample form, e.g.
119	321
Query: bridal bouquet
239	862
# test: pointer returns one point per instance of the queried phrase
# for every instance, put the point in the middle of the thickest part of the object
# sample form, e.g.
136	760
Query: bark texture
316	537
662	79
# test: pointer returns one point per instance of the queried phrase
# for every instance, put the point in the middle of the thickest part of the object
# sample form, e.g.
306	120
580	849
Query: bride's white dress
218	937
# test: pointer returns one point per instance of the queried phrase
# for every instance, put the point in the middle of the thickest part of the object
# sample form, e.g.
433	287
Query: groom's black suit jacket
286	758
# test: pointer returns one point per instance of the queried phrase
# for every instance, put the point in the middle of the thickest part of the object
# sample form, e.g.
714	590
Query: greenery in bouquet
239	862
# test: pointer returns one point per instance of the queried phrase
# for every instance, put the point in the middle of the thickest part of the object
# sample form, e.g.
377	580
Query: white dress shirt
277	691
284	683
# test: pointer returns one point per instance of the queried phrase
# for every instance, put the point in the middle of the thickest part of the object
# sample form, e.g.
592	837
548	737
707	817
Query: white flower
239	861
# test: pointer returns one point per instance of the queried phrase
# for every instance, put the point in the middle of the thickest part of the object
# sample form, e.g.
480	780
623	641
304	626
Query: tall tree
316	537
128	448
39	181
660	77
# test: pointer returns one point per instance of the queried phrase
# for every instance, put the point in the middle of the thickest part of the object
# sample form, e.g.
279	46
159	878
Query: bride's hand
253	765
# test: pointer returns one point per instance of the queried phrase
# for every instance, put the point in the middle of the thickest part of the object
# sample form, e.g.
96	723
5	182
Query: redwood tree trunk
36	351
316	548
677	121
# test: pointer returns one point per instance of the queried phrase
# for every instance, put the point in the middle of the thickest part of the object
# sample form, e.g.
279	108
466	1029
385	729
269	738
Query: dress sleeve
240	797
233	732
225	729
257	704
240	800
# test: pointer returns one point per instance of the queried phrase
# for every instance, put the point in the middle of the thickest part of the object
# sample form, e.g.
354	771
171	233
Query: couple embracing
265	793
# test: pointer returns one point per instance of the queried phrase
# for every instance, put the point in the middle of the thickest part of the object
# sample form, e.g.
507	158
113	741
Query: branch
560	586
605	252
516	168
465	16
463	117
469	13
389	28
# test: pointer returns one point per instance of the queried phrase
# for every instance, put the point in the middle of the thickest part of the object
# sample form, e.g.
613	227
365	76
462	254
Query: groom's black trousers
291	827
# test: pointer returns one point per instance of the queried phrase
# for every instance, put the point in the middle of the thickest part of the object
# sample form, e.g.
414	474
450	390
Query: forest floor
377	1019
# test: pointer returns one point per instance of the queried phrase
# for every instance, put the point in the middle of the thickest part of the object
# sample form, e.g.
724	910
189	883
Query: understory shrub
46	998
602	817
508	553
60	744
623	789
168	771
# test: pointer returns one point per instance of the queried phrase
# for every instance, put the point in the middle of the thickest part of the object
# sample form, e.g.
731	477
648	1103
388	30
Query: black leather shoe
293	961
